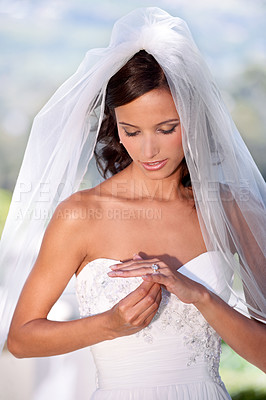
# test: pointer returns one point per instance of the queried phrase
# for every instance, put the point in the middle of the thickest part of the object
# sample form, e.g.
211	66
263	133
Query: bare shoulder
69	234
81	218
78	207
80	212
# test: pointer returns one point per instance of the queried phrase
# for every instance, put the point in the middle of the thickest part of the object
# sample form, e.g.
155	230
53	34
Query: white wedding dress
175	357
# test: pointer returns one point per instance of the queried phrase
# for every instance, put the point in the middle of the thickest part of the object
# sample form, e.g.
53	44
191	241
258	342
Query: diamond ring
155	268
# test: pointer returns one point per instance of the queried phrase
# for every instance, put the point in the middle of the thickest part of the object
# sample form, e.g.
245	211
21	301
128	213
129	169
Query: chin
161	173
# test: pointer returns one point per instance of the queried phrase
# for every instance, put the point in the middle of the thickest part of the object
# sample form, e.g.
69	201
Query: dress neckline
118	261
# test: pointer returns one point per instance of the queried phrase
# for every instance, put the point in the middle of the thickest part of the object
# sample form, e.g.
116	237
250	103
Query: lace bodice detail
176	321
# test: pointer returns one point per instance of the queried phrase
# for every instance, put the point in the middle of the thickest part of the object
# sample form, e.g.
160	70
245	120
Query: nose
150	147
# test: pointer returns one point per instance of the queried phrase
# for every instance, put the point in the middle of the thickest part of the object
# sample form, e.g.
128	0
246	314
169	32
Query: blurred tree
249	93
251	394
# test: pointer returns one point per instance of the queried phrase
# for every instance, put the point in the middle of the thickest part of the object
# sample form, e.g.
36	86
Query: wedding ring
155	268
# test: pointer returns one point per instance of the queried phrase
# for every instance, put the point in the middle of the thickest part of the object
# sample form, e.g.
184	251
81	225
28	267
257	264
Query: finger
137	265
133	263
148	314
140	264
156	278
147	301
137	257
137	270
157	301
138	294
128	264
128	273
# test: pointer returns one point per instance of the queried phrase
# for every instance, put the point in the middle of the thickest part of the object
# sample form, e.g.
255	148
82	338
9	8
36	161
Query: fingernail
114	273
137	256
146	277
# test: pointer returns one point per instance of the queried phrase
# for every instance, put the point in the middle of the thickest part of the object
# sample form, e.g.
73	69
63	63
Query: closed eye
164	131
131	133
169	130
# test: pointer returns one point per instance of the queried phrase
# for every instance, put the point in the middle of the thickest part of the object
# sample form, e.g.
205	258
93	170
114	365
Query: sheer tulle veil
229	190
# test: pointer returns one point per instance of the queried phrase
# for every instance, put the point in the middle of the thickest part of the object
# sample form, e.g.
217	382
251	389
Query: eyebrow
160	123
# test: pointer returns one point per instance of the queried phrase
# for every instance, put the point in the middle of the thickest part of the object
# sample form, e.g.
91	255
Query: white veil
228	188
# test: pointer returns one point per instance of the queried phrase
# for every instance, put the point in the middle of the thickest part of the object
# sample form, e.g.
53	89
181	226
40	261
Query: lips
154	165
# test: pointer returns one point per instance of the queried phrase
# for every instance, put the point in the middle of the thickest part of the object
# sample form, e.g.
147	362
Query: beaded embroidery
97	293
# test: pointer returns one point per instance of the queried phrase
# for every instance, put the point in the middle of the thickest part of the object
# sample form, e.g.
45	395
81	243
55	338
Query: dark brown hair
138	76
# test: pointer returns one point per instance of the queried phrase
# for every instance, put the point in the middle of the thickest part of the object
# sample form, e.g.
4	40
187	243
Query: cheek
130	144
131	148
174	143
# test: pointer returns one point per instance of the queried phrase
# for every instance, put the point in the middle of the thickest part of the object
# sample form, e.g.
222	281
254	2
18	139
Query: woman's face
149	129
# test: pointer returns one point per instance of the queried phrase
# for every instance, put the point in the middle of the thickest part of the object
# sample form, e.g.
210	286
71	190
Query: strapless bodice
178	348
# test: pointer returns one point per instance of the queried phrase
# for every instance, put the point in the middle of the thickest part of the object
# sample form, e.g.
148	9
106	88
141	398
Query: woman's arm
62	252
40	337
246	336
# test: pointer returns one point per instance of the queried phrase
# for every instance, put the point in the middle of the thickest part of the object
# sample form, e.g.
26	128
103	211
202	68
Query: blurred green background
43	42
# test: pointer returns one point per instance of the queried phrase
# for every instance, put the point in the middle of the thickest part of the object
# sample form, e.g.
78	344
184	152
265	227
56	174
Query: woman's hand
217	313
135	311
187	290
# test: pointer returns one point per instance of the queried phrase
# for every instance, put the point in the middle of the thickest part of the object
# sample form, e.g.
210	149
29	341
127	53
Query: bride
154	246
